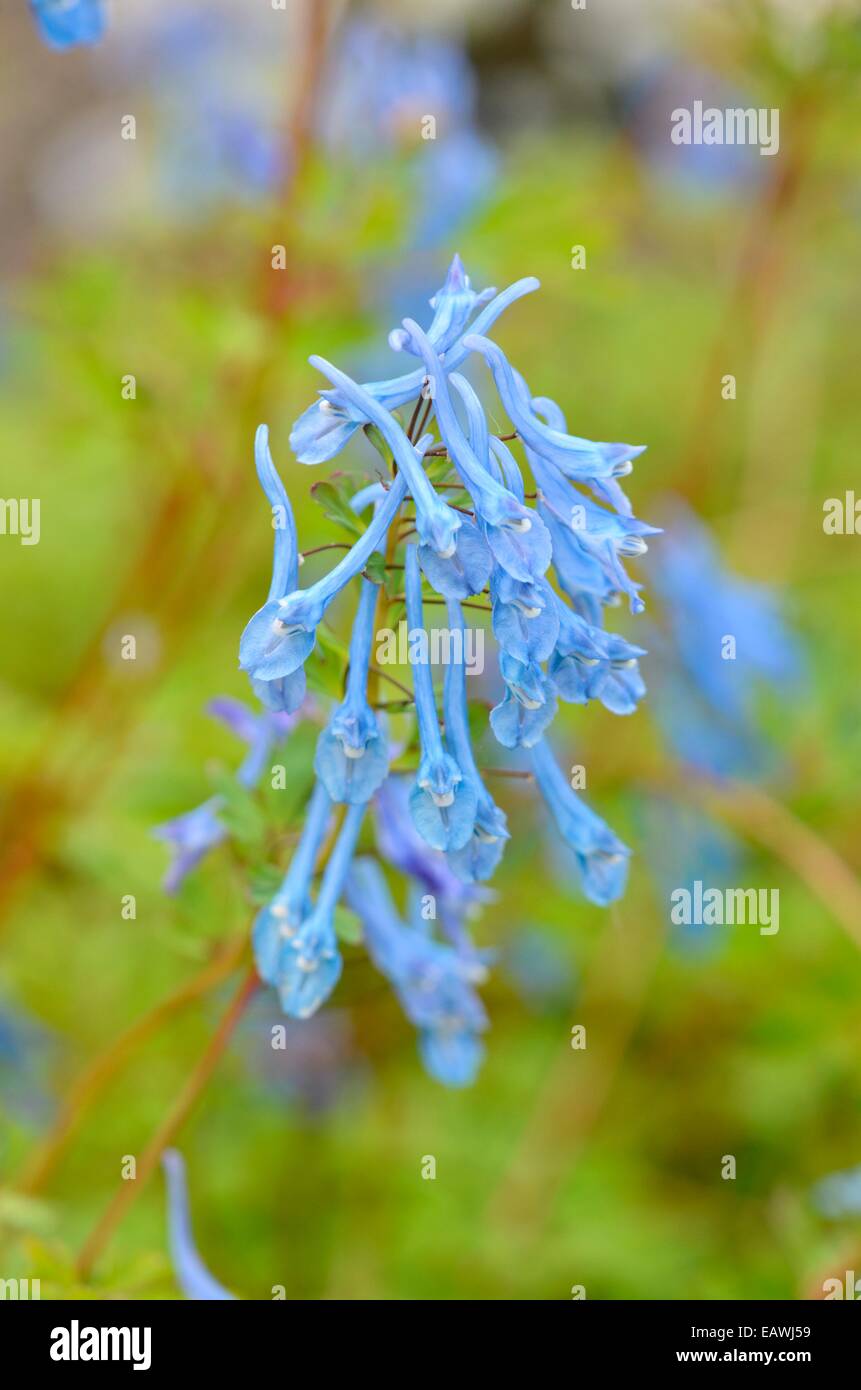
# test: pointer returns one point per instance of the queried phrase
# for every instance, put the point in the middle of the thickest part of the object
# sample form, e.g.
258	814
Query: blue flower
282	634
528	706
838	1195
327	426
352	757
288	691
278	922
443	801
514	533
191	1273
193	834
311	964
64	23
550	572
578	459
601	859
433	982
478	858
525	617
721	640
589	663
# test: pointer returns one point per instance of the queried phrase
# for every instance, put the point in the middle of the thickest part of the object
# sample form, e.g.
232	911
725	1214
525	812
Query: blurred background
151	258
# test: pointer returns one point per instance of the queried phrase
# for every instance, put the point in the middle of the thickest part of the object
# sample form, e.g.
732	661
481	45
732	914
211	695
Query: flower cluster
453	517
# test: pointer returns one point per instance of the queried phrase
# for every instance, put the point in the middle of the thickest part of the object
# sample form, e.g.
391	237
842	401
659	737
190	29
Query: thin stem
169	1127
93	1080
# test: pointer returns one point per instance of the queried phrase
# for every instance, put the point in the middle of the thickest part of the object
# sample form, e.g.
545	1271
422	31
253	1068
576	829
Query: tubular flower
191	1273
352	756
442	802
459	524
433	982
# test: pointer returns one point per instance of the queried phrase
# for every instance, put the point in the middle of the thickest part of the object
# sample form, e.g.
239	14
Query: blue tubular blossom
433	983
281	635
525	617
64	23
191	1273
285	692
193	834
602	859
443	801
352	756
453	307
589	663
478	858
311	964
404	849
579	459
517	537
278	922
327	426
528	706
588	540
436	521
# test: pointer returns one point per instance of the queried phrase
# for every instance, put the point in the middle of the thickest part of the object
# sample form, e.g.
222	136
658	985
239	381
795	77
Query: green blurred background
599	1168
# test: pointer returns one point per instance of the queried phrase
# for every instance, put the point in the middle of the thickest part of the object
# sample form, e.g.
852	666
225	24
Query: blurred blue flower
601	859
64	23
839	1194
433	982
722	639
191	1273
194	833
410	95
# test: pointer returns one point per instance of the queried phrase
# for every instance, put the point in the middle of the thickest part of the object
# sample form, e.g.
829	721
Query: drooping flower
455	517
602	859
65	23
311	964
352	756
433	982
443	801
191	1273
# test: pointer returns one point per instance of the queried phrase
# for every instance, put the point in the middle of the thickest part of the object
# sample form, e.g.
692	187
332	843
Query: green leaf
264	880
348	927
375	569
239	812
374	437
334	500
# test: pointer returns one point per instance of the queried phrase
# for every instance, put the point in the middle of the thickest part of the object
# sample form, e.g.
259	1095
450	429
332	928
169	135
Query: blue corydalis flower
478	858
193	834
602	859
328	425
352	756
452	515
433	982
191	1273
442	802
281	636
722	640
278	922
64	23
311	964
284	692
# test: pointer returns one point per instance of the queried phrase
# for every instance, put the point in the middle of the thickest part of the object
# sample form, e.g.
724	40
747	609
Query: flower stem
169	1127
